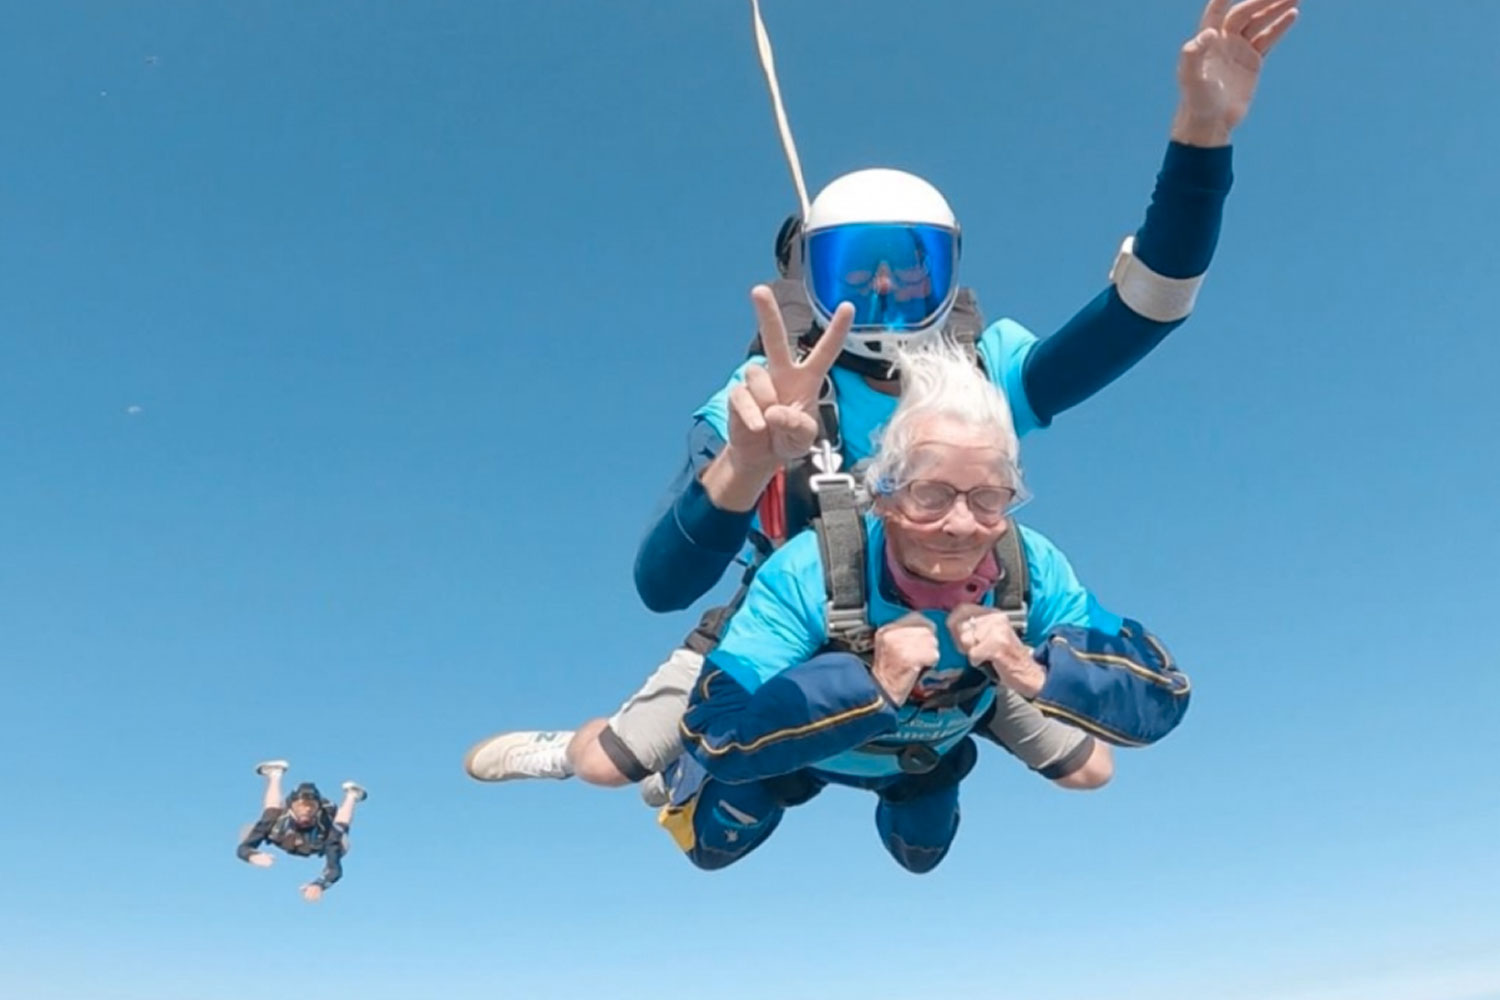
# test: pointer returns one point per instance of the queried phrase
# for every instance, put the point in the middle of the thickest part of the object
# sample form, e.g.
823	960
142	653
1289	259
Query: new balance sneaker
511	756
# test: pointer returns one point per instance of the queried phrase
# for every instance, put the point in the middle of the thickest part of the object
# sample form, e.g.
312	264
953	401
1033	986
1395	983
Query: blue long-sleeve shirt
691	541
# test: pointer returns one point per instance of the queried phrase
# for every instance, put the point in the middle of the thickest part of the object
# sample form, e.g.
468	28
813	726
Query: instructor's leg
645	736
640	739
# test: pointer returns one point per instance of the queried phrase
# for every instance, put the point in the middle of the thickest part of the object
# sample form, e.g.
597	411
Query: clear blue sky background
414	301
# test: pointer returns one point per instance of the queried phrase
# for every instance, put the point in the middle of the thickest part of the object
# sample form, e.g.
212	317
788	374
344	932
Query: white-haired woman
780	710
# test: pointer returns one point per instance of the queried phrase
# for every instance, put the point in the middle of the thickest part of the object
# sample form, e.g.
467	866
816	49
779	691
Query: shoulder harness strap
710	628
966	323
842	543
1013	588
798	504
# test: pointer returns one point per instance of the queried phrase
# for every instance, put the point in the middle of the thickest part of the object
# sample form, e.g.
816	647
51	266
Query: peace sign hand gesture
773	414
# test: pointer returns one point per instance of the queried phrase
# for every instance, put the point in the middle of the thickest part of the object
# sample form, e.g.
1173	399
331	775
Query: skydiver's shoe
359	790
265	767
654	791
512	756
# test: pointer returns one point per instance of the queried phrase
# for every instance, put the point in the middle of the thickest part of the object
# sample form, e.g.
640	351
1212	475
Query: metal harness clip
849	627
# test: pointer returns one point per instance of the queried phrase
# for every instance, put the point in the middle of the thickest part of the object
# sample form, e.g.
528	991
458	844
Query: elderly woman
796	695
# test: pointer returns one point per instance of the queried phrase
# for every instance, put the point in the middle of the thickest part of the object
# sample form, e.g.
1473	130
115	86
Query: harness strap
965	323
710	628
842	544
798	505
1013	588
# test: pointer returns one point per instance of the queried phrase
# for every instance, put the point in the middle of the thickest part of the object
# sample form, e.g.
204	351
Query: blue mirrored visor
897	277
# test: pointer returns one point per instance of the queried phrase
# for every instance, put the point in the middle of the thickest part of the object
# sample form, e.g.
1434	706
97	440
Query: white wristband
1154	296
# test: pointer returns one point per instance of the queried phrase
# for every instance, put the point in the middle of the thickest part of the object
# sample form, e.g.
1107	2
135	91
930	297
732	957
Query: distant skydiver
303	825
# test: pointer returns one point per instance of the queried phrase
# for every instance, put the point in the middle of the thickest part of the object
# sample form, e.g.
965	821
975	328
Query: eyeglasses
927	500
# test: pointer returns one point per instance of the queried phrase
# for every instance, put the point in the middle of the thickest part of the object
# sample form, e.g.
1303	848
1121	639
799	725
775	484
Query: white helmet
885	241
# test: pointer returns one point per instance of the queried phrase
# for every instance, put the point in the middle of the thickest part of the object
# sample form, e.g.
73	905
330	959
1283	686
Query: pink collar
928	595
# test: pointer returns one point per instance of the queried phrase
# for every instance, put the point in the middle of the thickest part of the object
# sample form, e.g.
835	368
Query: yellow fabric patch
678	821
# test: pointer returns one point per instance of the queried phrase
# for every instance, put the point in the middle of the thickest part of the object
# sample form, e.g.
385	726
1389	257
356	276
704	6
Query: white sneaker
357	788
508	756
265	767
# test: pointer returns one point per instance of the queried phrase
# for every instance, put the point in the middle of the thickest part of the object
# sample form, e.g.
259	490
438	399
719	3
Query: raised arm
772	420
1155	281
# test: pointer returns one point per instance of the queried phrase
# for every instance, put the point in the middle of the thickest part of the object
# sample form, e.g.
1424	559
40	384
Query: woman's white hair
938	379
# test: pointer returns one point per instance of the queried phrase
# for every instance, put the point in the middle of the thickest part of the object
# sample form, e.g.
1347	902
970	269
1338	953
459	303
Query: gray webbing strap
1013	589
842	542
965	323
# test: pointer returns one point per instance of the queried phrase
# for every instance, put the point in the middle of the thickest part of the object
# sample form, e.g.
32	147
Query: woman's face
950	513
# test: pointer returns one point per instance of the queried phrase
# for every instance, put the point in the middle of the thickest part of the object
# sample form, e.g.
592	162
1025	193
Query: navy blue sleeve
804	714
1106	338
691	543
333	869
258	834
1121	687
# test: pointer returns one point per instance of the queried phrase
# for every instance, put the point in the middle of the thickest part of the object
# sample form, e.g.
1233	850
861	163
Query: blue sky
344	352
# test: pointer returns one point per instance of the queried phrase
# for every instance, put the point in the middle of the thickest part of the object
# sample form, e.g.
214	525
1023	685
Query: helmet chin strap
881	371
788	145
